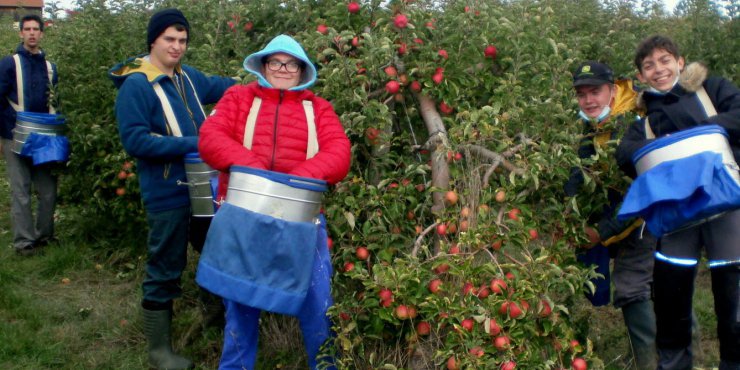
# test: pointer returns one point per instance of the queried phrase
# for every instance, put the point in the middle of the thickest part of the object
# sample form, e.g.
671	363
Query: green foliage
511	130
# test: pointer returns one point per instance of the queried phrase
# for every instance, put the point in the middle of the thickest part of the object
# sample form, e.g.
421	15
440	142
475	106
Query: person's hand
593	237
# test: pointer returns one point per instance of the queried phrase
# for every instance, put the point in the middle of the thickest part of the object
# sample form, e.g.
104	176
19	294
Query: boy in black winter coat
672	103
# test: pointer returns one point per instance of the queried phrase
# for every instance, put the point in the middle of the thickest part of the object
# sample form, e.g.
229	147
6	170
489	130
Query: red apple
353	7
349	266
385	294
329	243
467	324
500	196
391	71
392	87
400	21
494	328
444	108
545	309
476	351
533	234
501	343
402	48
412	312
415	86
454	249
322	29
442	268
402	312
513	214
362	253
483	292
490	52
579	364
122	175
248	26
442	53
508	365
355	41
423	328
121	192
452	364
435	285
127	166
442	229
344	316
575	346
514	311
467	288
496	245
498	286
437	78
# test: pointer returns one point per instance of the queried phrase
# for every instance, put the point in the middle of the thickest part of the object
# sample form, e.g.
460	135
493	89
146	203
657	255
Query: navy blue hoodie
145	134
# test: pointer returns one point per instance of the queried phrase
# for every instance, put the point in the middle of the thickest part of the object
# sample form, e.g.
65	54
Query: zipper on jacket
274	131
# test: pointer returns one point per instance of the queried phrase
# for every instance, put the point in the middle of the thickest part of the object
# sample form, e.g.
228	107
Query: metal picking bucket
682	144
39	123
279	195
199	176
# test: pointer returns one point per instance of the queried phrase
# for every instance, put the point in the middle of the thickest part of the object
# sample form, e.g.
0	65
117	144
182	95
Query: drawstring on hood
282	44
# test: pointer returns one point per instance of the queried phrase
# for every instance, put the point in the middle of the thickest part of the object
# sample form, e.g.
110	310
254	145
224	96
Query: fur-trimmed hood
691	80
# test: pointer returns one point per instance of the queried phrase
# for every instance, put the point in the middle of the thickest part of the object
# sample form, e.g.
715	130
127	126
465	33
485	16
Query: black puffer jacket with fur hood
680	109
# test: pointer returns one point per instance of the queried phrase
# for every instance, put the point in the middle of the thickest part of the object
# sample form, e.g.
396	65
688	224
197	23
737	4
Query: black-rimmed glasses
276	65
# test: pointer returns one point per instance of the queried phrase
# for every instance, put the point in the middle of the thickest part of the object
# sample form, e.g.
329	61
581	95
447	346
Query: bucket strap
20	106
705	102
195	93
313	143
251	122
169	114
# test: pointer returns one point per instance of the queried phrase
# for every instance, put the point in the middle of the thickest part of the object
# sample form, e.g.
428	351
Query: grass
93	320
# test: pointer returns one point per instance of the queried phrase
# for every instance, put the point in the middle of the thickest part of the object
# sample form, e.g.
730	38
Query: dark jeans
169	232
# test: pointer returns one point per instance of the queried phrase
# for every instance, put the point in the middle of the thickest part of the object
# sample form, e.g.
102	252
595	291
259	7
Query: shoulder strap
649	134
20	106
251	122
706	103
195	93
313	143
50	74
169	113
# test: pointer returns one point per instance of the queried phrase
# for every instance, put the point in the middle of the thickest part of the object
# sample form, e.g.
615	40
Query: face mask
602	116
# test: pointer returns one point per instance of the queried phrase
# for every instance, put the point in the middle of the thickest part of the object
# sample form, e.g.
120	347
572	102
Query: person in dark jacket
673	104
25	80
606	109
159	109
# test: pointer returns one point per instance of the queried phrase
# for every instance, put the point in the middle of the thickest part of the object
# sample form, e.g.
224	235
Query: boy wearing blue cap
679	99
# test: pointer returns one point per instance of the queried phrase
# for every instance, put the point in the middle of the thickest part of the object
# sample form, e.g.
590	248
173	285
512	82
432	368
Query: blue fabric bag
258	260
599	256
675	193
46	148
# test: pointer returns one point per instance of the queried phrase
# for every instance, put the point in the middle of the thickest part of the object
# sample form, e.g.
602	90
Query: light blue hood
282	44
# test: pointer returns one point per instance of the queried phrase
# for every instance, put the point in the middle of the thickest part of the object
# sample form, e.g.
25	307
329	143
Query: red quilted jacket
280	135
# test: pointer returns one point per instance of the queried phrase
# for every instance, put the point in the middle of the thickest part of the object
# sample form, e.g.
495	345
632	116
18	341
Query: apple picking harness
39	136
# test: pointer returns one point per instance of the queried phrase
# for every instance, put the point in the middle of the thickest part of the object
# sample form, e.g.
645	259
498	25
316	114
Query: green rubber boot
157	326
639	318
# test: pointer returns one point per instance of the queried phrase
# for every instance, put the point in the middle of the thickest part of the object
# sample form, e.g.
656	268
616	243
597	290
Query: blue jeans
242	322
